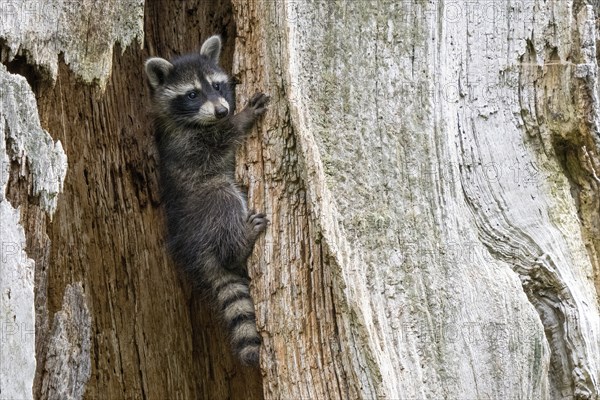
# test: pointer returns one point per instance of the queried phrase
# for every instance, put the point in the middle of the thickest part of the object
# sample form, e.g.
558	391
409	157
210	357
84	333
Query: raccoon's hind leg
232	295
256	223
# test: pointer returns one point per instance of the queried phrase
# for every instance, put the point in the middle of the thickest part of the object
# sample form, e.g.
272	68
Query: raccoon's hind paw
258	103
258	221
250	356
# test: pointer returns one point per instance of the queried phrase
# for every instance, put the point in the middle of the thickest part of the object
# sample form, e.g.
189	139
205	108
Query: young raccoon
211	233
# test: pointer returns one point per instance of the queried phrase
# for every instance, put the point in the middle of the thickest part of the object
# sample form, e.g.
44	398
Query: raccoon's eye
192	95
216	86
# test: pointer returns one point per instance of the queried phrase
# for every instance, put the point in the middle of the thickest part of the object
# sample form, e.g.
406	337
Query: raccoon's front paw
258	222
258	103
256	106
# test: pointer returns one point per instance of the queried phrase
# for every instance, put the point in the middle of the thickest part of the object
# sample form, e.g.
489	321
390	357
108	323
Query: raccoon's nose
220	111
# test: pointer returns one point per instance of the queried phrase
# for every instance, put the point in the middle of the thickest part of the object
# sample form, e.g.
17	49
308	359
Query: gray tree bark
446	155
430	170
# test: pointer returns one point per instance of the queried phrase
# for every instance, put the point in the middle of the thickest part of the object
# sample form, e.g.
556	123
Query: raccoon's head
192	89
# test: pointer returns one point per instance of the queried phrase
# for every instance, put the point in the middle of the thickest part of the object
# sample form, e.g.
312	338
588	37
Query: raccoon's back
206	218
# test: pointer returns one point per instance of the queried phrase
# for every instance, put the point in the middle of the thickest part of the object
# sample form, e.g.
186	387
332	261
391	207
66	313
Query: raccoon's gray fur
211	233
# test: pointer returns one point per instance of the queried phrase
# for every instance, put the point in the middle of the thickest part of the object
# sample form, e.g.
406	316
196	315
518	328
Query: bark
32	163
447	154
430	171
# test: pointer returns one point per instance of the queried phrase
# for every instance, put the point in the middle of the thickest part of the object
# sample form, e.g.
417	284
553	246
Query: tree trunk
430	171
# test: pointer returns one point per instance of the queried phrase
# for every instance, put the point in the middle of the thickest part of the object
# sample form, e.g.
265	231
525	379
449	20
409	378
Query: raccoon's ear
212	48
157	70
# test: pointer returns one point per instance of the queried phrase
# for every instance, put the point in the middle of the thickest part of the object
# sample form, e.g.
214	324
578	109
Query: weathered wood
430	170
31	164
148	337
296	292
83	32
68	360
445	255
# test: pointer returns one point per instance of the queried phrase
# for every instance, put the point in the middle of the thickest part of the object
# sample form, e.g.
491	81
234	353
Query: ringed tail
236	307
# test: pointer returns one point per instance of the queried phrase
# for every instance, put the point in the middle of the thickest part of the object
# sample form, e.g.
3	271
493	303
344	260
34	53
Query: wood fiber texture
447	152
149	337
429	169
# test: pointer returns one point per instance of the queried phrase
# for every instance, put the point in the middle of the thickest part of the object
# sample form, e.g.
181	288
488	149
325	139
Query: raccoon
210	231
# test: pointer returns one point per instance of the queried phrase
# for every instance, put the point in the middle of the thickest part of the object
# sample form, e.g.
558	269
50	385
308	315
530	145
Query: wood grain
151	338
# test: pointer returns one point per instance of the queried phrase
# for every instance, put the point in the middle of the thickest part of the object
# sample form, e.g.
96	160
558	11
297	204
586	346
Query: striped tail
232	295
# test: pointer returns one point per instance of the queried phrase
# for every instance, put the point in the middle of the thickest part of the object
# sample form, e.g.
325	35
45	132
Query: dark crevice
18	186
20	66
38	77
566	154
172	31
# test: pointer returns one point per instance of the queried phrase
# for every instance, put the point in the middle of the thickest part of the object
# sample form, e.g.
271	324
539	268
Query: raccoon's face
193	89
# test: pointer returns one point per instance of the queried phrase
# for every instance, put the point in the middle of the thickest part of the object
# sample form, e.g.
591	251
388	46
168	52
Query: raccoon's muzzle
220	111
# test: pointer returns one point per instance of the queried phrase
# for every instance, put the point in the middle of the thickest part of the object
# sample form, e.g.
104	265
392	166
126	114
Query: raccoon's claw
256	106
257	221
259	102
